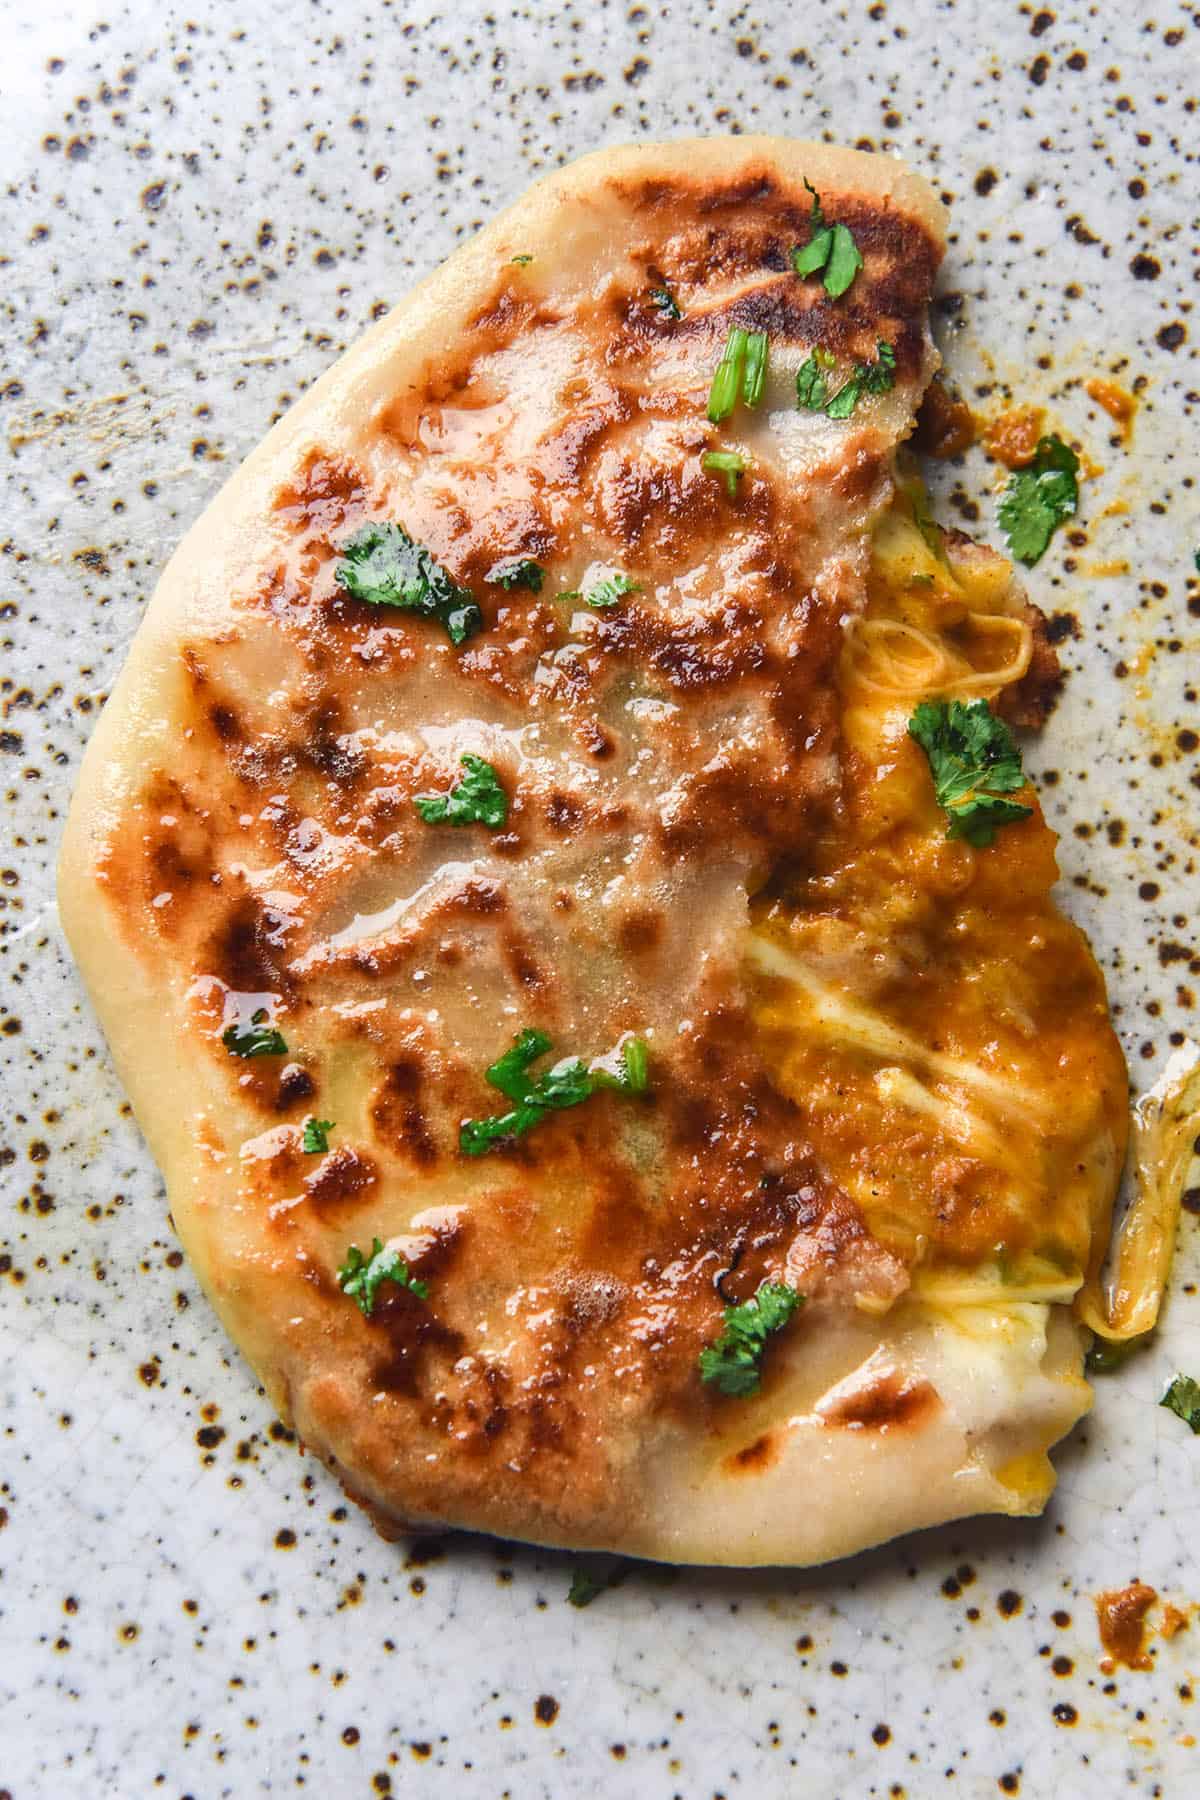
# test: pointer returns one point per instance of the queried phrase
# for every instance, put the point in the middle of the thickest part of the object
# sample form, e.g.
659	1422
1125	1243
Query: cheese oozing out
922	1001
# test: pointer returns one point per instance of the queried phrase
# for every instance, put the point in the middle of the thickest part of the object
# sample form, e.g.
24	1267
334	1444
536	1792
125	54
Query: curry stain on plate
1120	405
1121	1618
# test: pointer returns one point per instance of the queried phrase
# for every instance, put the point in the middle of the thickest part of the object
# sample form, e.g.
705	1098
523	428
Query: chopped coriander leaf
588	1584
1038	498
925	522
868	378
726	383
360	1276
754	377
521	260
568	1083
383	566
815	253
1104	1358
508	1071
519	571
845	260
255	1039
974	762
584	1587
812	384
727	463
1183	1399
636	1057
831	248
315	1141
605	593
732	1362
632	1074
477	800
666	302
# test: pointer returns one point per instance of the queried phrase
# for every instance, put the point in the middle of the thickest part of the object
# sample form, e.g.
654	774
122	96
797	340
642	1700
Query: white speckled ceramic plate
201	209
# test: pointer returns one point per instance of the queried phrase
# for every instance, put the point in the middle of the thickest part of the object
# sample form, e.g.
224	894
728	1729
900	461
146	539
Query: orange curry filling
942	1028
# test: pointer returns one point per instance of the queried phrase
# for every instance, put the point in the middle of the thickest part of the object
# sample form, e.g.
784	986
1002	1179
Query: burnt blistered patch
478	898
241	952
399	1114
562	812
504	314
692	654
566	454
343	1176
755	1458
753	189
891	1400
225	722
641	930
654	511
296	1086
327	497
170	867
524	967
412	1330
322	745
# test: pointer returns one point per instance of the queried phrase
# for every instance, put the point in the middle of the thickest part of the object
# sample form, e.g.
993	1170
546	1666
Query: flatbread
720	843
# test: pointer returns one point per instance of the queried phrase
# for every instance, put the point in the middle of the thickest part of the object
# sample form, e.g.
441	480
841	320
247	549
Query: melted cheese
922	1002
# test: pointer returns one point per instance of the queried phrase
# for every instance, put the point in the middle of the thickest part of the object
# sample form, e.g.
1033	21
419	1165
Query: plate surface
201	211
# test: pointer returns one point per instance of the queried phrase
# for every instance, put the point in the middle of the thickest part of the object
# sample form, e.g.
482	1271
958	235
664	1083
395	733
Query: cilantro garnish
727	463
360	1276
255	1039
520	571
722	395
732	1363
1183	1399
754	379
666	303
1038	498
974	762
1105	1357
830	248
568	1083
383	566
925	522
521	260
605	593
584	1587
315	1141
634	1077
588	1584
741	370
812	381
478	799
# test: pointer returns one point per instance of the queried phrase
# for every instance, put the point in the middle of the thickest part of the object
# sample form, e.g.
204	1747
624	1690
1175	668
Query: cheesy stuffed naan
618	1079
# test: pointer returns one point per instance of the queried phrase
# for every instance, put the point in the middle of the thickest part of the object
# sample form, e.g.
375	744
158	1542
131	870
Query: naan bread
880	1065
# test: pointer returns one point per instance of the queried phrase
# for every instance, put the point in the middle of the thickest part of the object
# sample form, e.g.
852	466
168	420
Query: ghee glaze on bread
789	1035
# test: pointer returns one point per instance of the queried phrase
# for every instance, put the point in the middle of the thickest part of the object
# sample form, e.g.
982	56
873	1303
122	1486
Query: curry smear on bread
876	1070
